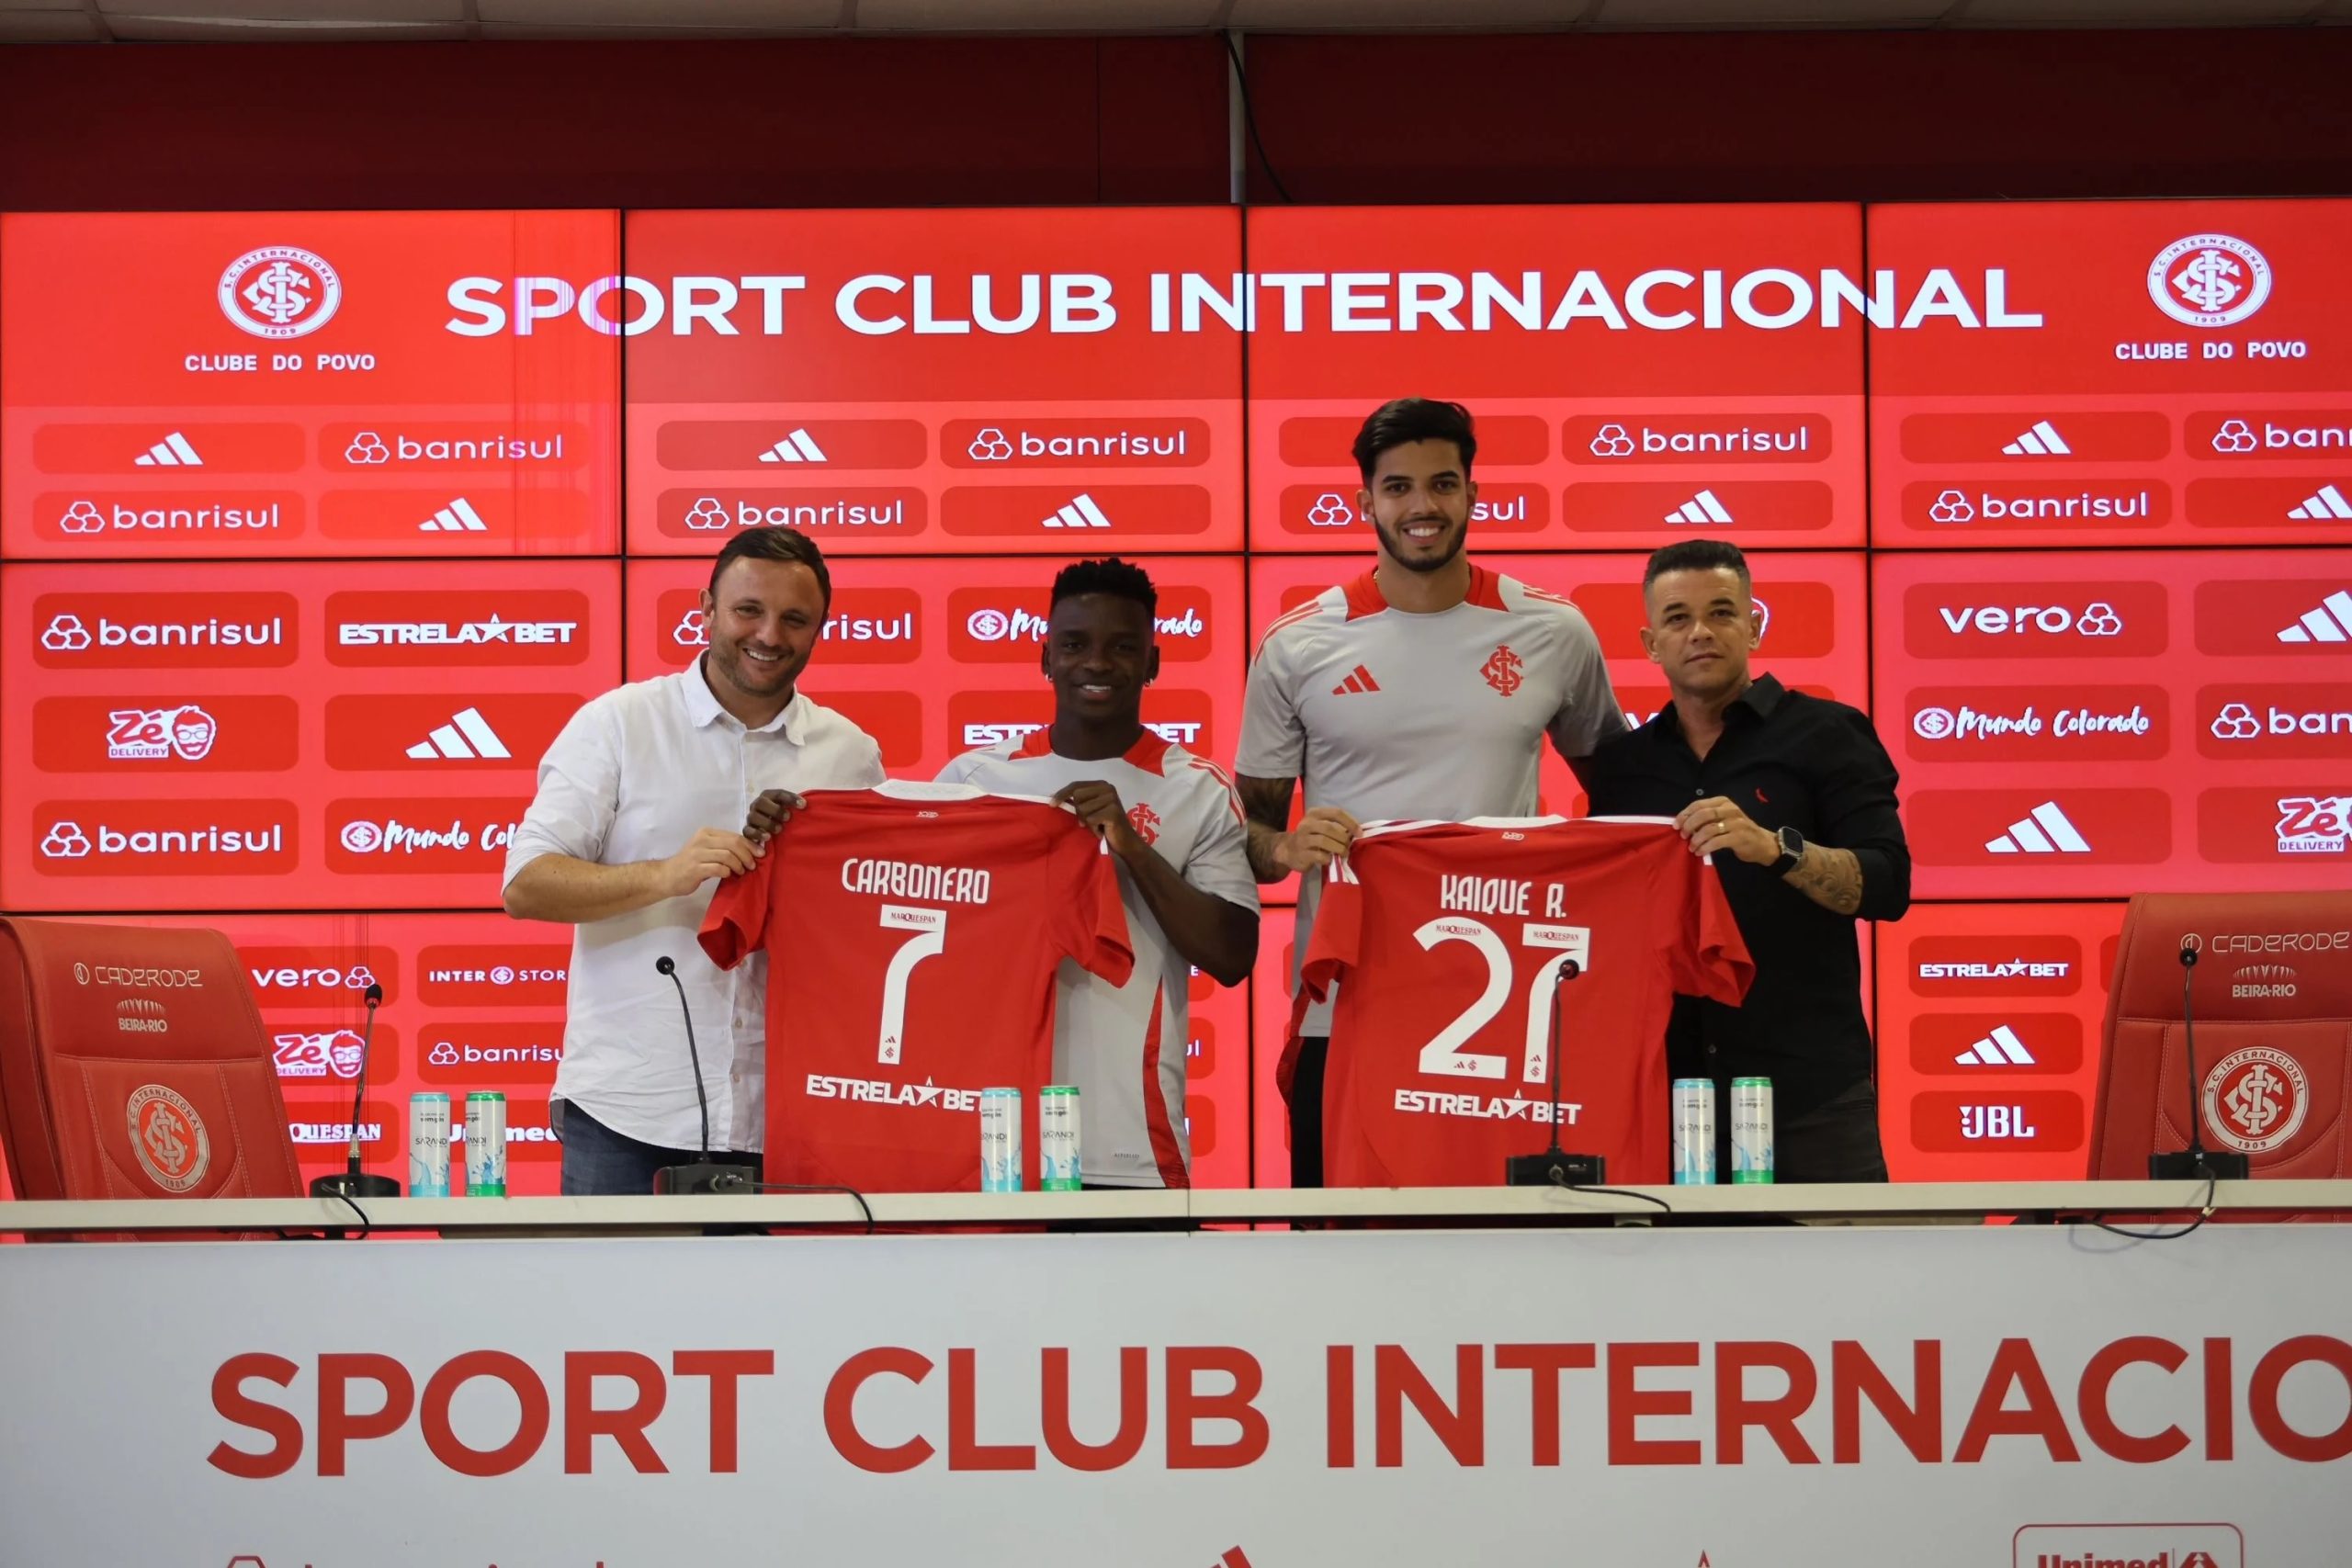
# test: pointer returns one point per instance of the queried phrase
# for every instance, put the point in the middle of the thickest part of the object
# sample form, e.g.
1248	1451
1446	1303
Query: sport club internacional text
881	304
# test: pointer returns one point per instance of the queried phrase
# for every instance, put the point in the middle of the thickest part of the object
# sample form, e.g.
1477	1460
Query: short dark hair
1119	579
1695	554
777	545
1407	420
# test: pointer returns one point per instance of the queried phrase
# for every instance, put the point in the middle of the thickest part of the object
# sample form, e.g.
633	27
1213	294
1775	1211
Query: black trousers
1307	1111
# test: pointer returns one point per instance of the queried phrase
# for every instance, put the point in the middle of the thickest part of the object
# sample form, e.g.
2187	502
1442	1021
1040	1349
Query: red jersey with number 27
912	932
1451	936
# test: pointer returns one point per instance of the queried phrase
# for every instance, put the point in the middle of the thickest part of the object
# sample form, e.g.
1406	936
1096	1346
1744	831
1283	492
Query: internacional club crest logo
280	291
2209	280
168	1136
2257	1097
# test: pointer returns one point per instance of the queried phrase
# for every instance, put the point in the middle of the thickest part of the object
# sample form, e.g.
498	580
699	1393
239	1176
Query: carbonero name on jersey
911	879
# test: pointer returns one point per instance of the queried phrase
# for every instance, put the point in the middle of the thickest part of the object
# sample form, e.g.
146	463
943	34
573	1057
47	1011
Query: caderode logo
279	292
417	629
2034	620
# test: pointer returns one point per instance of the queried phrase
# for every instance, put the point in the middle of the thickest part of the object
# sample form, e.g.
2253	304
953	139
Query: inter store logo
493	973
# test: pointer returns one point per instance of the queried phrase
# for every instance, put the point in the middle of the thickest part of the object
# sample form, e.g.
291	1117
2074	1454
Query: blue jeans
601	1163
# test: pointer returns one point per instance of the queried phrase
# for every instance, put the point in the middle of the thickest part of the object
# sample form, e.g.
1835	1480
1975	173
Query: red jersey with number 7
1451	936
912	932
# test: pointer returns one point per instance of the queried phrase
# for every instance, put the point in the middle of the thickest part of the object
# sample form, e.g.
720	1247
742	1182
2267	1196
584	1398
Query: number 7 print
929	928
1443	1056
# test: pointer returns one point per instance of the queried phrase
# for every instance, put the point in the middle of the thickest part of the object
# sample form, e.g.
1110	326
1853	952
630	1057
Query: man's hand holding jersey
771	809
1098	805
1323	834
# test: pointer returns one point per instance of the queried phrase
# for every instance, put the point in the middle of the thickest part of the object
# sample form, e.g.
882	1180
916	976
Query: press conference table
1468	1207
1182	1380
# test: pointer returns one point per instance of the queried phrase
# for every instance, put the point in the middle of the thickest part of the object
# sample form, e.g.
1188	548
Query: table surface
1470	1207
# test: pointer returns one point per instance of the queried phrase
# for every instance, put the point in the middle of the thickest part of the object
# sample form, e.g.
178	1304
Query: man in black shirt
1795	796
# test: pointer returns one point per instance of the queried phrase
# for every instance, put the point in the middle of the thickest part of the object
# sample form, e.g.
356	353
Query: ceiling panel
1036	15
225	30
2130	13
20	26
744	16
1736	14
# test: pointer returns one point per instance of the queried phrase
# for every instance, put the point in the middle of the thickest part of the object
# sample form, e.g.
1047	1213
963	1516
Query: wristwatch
1792	850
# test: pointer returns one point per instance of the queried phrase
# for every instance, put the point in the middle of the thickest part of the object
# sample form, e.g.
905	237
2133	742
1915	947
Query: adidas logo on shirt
1358	680
2332	622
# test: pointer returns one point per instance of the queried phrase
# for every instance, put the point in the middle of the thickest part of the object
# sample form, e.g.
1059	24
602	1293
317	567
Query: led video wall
315	528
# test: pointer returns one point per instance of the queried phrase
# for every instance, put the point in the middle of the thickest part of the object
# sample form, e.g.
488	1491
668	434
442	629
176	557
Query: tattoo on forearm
1831	878
1266	804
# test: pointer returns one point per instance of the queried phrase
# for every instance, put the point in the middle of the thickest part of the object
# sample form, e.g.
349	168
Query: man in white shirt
1176	828
1423	689
623	842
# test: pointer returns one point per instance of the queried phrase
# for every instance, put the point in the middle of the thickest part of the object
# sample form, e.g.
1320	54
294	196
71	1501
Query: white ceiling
364	20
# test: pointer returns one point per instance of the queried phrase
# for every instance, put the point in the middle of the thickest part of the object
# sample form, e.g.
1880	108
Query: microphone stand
1552	1168
2193	1163
351	1181
702	1176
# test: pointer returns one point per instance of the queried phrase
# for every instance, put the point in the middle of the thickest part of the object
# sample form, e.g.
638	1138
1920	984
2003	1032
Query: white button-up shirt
631	778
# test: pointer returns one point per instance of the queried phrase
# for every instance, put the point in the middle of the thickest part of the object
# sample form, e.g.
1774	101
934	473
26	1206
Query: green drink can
1057	1162
1751	1130
485	1144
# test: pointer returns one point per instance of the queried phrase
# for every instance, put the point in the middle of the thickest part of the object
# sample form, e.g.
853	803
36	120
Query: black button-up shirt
1787	760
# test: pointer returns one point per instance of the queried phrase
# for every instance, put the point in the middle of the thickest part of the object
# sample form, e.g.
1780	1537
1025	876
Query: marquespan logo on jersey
2209	280
279	292
168	1137
1502	670
2255	1098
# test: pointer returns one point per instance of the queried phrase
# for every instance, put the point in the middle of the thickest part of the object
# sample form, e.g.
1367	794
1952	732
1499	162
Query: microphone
699	1175
1552	1168
2193	1163
351	1181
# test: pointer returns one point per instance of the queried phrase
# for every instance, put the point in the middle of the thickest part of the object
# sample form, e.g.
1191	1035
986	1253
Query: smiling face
765	621
1420	499
1099	654
1702	629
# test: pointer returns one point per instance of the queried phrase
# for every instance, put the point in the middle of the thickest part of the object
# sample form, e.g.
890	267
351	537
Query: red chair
2273	1008
133	1065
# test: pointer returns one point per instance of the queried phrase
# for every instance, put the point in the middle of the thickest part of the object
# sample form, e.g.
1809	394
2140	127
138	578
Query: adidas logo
457	517
173	451
797	448
2328	506
1358	680
2044	831
1701	508
2041	441
2332	622
464	738
1082	512
2002	1048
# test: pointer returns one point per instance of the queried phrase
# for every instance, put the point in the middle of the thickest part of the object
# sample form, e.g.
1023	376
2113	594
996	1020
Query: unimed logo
165	838
2129	1546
